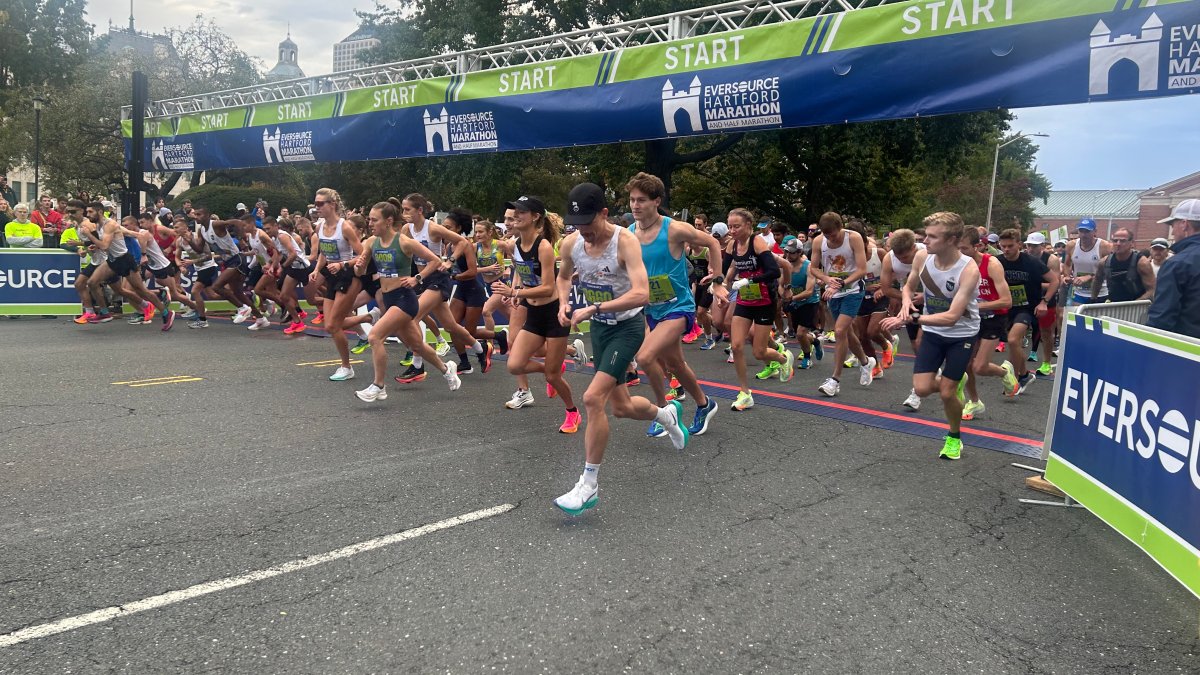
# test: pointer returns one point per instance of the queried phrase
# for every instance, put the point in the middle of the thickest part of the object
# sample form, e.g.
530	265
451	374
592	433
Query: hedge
223	199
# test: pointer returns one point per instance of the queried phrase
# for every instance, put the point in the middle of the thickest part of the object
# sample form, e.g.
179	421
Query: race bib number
661	289
936	305
329	249
1019	296
750	292
597	293
525	270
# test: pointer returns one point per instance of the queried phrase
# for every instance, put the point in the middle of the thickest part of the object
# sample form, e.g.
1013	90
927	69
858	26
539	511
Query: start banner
923	57
1124	437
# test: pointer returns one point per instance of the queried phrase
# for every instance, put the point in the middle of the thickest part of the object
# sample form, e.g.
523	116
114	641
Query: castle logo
294	146
468	131
725	105
1142	50
171	156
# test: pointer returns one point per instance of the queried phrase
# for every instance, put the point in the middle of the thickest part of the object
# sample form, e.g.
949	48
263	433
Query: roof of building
287	42
1177	185
285	71
1096	203
363	33
117	40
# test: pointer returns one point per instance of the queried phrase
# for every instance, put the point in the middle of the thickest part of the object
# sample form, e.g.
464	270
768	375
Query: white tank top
1086	262
199	262
874	266
601	278
901	269
940	288
422	235
839	262
222	246
155	256
334	247
260	254
287	246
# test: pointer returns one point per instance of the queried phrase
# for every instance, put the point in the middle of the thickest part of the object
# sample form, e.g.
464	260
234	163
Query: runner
534	286
260	261
165	272
392	252
897	263
89	261
802	309
1024	275
490	255
993	305
872	312
293	267
1126	273
840	263
191	252
950	319
1080	264
698	258
608	260
468	296
121	264
671	310
339	245
1035	245
753	280
218	236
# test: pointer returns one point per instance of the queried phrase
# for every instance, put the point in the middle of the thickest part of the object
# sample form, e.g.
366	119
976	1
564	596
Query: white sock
589	474
665	415
418	362
364	329
477	348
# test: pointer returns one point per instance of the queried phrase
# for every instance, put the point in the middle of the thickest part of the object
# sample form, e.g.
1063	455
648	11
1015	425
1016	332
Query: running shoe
779	345
744	401
191	314
952	449
342	374
571	424
443	348
581	498
1011	386
829	337
359	347
319	319
830	387
632	380
895	342
691	337
136	320
451	376
407	360
260	323
703	417
465	367
656	430
728	355
851	362
84	318
818	352
293	328
877	372
101	318
502	341
865	373
1024	381
889	356
168	320
581	357
1032	358
413	374
709	343
303	315
1000	348
550	393
242	314
393	340
788	369
520	399
805	363
148	312
373	392
676	429
269	307
1054	352
674	383
973	409
1046	369
485	359
960	390
772	368
198	323
913	402
676	394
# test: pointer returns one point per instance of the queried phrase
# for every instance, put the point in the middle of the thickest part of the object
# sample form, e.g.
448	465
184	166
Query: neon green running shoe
769	371
744	401
960	390
407	360
1045	369
952	449
360	347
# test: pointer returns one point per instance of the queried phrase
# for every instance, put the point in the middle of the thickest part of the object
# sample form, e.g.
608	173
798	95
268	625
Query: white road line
172	597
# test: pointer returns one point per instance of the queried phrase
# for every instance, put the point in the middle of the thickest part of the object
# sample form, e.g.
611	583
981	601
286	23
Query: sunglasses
319	204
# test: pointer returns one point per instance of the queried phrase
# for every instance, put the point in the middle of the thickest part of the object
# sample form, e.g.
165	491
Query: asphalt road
780	541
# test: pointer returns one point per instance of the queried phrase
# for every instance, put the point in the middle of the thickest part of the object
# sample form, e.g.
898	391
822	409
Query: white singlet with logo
839	262
940	288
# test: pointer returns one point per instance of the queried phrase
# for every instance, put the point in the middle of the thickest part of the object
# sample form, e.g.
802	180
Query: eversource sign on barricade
1126	436
38	282
887	62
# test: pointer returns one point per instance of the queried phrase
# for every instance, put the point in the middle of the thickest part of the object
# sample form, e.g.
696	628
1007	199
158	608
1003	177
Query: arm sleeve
769	268
1164	309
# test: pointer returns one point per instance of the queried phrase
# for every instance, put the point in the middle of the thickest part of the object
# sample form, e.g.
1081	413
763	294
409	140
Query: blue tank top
670	290
800	282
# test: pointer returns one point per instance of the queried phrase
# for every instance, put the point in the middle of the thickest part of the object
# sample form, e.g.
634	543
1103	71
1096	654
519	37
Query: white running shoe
269	308
443	348
913	402
581	498
675	429
520	399
864	374
260	323
580	357
851	362
342	374
830	387
392	340
242	314
373	392
451	376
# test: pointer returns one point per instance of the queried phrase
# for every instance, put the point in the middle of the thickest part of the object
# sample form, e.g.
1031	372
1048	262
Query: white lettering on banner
295	111
294	146
530	79
726	105
469	131
1175	438
395	96
705	52
957	14
37	278
214	121
1183	69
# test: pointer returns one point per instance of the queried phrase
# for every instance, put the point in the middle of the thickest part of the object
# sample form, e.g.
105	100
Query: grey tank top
117	247
602	278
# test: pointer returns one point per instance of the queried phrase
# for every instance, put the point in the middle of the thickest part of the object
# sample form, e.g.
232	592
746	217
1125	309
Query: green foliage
42	42
223	199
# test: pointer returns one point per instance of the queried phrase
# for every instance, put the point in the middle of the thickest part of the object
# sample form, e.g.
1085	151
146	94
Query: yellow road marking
152	384
153	379
332	362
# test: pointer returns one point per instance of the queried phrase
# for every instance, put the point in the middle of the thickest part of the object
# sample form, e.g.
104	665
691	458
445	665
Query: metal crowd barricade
1134	311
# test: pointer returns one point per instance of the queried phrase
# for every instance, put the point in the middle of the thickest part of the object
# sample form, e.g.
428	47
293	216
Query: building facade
1137	210
345	53
288	66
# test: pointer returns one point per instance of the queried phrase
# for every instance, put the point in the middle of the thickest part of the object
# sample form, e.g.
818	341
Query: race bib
661	289
329	249
597	293
750	292
936	305
1019	296
525	270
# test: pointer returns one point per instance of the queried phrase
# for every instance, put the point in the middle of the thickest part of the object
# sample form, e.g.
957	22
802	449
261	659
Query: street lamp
996	166
38	102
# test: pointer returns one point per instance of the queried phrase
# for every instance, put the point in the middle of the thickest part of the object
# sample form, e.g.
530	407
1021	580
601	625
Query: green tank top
390	261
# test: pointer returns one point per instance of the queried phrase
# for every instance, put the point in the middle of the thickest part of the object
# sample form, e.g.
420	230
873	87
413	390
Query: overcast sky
1134	144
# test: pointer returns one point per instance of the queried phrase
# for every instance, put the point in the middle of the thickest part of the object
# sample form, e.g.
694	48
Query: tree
41	44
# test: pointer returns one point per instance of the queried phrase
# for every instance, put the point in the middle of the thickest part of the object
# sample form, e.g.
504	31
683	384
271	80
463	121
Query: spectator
49	220
1160	250
21	232
1176	305
6	192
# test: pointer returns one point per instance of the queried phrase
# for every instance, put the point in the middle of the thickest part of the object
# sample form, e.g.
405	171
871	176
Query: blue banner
37	277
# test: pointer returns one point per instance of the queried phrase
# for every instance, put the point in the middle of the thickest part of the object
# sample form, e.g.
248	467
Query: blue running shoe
703	415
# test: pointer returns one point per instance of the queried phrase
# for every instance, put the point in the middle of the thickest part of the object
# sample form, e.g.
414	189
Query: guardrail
1134	311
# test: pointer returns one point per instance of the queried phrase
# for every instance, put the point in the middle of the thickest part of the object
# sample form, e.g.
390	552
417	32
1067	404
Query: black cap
525	203
583	203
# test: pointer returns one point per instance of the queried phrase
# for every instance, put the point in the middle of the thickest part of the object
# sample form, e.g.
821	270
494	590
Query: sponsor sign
1125	436
923	57
37	278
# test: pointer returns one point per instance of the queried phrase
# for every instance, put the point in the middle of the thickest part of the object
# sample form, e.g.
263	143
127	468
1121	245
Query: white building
345	52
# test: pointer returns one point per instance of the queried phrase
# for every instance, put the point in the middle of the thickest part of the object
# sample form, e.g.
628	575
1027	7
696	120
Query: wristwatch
419	278
915	315
597	306
719	279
